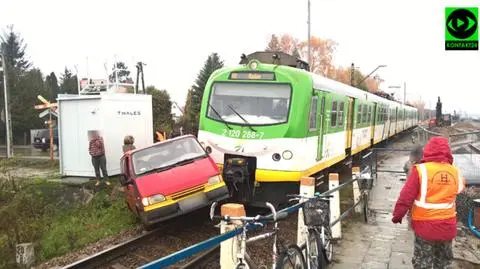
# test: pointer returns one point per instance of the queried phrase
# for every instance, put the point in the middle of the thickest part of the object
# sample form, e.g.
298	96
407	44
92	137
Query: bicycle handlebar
316	196
274	217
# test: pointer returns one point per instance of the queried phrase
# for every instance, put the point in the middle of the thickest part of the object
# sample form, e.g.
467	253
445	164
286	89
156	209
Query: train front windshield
258	104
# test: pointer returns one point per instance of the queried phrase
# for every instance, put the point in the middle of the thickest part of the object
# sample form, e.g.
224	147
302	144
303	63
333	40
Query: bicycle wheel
291	258
327	244
315	256
366	210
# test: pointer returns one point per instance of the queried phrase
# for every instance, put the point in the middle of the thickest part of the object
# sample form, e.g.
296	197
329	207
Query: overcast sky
174	39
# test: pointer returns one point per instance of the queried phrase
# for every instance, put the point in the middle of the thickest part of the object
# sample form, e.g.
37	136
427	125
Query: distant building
177	112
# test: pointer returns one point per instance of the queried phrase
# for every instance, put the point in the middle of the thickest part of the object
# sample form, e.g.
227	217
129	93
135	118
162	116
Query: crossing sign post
50	109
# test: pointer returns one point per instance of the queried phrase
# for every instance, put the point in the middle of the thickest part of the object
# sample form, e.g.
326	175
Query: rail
209	246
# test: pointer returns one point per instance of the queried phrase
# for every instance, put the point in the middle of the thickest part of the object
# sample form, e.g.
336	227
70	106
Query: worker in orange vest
430	192
160	136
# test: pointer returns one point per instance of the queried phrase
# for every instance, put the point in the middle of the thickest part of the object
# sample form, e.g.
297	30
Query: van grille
183	194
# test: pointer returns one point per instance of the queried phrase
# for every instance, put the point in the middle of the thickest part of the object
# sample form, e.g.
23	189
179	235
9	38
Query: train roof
322	83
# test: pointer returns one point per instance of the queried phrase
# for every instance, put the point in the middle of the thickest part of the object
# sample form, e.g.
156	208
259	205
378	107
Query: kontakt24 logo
461	28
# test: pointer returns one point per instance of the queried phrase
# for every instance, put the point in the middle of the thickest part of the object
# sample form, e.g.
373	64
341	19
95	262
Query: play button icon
462	23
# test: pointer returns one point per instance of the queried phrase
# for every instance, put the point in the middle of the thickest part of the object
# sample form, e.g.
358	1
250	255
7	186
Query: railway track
168	237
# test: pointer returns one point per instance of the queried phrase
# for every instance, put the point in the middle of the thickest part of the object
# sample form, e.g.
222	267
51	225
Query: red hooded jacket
436	150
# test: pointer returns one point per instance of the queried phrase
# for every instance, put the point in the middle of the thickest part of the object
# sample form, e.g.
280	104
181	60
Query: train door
349	122
320	122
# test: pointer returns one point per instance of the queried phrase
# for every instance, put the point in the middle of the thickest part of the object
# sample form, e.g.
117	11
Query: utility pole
8	121
309	38
352	75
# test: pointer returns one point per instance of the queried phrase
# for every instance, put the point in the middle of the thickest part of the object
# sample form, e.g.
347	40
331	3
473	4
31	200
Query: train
267	124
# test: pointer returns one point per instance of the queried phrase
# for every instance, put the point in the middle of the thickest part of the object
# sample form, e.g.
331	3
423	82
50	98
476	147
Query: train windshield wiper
219	117
238	114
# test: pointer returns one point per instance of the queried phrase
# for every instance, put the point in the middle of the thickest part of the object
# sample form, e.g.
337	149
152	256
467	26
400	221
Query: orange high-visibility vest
160	136
439	185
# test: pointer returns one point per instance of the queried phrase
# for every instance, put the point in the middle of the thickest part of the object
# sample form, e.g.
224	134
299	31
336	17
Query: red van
170	178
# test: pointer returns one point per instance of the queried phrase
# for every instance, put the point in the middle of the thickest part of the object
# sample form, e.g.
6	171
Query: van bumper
170	209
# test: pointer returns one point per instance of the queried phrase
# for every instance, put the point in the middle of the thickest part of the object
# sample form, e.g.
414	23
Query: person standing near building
430	192
128	143
96	148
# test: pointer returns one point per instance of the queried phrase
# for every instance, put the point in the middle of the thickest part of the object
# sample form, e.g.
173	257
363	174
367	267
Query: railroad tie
118	266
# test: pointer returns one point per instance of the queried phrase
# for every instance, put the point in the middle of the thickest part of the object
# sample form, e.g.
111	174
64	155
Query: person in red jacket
430	192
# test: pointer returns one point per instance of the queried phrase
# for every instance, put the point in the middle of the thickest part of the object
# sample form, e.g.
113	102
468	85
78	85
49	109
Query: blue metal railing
208	244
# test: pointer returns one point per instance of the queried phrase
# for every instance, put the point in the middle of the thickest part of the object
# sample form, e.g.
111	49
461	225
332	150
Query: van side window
313	114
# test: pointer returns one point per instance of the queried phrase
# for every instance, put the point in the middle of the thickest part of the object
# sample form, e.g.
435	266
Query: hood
178	178
437	150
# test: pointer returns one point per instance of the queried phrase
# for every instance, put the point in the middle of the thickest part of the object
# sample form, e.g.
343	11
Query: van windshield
166	155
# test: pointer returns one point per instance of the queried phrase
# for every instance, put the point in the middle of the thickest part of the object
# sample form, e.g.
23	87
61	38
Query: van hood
177	179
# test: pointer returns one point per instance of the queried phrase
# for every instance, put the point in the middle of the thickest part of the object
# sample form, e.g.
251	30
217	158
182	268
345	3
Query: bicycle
316	217
291	255
365	185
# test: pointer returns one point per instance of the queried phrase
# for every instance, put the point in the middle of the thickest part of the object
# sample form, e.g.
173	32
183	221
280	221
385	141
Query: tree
295	53
68	82
212	63
51	85
23	85
123	74
161	109
24	116
321	52
321	55
274	44
14	48
186	120
288	44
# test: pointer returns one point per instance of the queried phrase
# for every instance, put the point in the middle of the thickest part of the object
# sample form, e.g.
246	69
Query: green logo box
461	28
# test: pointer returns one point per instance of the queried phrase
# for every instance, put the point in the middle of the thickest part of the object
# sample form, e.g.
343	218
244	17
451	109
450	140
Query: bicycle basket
316	213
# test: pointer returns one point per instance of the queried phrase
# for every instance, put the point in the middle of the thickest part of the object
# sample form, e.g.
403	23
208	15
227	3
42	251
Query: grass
48	214
30	163
74	229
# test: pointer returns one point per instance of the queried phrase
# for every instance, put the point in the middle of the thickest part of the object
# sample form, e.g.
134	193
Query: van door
349	122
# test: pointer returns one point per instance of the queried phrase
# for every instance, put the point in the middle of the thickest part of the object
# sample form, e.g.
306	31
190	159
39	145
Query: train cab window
313	114
340	113
333	115
359	114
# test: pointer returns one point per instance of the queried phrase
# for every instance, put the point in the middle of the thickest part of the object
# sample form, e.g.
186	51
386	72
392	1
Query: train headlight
287	154
154	199
253	65
276	157
214	180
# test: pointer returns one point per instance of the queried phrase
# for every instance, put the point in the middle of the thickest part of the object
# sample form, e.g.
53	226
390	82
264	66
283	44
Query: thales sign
128	113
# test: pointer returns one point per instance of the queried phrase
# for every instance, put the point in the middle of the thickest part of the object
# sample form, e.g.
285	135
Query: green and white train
267	125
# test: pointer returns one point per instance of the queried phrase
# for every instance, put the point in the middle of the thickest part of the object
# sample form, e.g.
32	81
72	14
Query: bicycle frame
241	254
